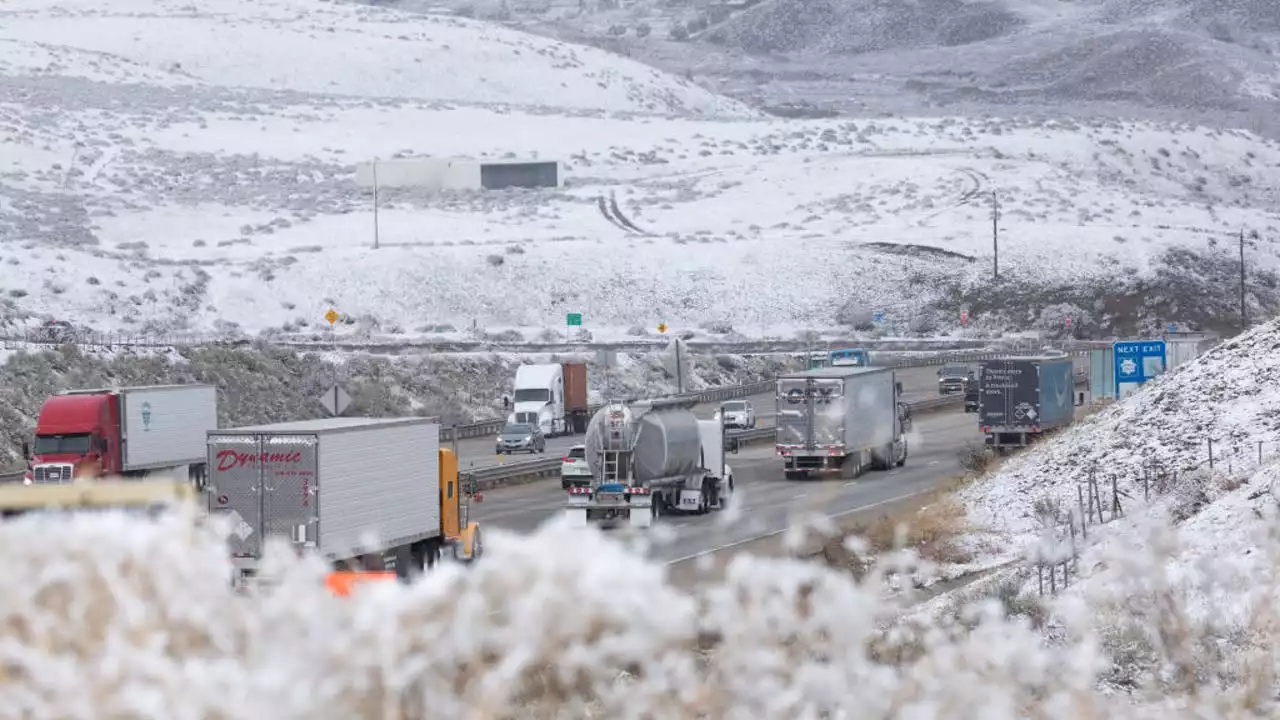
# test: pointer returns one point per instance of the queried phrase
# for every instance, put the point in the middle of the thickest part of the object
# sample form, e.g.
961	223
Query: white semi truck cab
539	398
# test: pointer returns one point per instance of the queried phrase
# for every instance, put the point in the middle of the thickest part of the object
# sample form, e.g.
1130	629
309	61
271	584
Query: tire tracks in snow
611	212
975	183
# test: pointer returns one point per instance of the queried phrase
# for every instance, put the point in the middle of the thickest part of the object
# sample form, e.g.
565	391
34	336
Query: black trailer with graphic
1020	398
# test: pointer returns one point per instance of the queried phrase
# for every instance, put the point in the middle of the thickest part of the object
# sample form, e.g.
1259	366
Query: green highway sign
573	319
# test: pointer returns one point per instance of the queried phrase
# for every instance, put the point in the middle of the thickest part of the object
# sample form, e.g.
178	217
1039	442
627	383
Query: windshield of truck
517	429
77	444
578	453
734	406
954	371
532	395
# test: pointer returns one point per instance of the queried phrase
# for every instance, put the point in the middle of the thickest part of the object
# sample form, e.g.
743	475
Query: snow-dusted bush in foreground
113	616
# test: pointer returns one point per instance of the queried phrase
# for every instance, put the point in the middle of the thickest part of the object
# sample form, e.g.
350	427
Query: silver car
520	437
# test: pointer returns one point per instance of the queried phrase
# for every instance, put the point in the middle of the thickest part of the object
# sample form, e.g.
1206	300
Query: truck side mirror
898	387
506	402
26	451
731	445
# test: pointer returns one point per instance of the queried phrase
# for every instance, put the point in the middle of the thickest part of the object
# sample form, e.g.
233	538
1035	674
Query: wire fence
1102	496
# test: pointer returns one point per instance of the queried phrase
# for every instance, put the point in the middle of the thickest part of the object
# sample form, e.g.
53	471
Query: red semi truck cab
122	432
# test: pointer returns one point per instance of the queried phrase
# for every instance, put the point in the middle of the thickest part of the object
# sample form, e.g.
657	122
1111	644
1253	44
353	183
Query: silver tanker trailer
648	459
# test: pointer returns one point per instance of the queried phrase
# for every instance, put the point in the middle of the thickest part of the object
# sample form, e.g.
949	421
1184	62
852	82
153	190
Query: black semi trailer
1020	398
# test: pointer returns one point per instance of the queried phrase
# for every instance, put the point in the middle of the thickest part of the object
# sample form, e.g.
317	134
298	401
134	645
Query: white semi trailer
841	420
648	459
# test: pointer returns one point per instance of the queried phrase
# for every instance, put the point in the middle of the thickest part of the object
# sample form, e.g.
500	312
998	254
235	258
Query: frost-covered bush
117	616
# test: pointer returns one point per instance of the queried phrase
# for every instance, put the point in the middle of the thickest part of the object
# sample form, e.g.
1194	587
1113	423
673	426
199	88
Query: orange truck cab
457	532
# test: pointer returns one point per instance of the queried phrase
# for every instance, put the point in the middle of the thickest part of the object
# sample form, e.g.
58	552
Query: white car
737	414
573	468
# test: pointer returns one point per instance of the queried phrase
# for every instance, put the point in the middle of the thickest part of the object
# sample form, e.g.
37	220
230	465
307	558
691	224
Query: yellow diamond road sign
662	327
331	316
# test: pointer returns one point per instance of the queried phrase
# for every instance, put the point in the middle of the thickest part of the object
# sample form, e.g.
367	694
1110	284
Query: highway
766	503
917	384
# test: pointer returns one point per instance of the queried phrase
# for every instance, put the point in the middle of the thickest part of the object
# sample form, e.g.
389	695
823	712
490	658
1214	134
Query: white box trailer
842	419
162	426
344	487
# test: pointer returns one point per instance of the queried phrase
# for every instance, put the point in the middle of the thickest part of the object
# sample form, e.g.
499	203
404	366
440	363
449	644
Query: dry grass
931	525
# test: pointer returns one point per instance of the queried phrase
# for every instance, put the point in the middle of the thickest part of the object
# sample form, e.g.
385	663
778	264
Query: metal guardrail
730	392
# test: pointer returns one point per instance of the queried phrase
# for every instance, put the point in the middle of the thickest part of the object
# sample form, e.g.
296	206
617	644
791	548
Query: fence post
1210	453
1084	524
1259	452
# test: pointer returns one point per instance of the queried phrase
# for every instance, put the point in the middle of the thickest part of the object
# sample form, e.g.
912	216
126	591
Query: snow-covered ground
155	180
1188	564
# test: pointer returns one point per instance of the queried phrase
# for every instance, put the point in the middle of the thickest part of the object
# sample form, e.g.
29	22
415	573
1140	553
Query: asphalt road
917	384
765	503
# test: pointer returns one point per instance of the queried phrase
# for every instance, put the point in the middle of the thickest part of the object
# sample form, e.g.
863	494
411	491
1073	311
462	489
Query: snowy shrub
548	625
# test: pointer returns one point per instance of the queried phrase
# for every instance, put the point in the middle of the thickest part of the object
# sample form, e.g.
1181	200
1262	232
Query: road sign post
1136	363
335	400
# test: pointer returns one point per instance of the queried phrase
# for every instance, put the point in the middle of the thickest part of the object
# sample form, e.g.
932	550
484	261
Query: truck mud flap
577	517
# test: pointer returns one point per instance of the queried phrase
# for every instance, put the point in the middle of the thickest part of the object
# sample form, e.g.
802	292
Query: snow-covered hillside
1178	584
1230	396
331	48
183	201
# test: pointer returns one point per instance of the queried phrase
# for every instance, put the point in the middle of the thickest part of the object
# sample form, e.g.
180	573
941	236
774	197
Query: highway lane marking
774	533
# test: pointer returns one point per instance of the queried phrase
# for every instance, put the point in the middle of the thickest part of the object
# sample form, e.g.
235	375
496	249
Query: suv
737	414
574	471
953	379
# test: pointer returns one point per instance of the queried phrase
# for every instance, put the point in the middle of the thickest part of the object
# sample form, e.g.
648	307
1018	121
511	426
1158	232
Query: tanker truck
648	459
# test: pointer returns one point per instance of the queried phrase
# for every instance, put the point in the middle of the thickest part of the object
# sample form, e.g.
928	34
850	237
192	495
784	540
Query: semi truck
648	459
366	494
552	396
1020	398
841	420
131	432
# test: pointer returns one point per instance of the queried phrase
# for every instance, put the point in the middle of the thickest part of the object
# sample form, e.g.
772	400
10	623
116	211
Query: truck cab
539	398
130	432
953	379
77	436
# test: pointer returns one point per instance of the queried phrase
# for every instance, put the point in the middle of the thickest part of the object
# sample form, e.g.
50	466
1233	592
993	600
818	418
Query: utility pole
679	370
1244	319
375	203
995	235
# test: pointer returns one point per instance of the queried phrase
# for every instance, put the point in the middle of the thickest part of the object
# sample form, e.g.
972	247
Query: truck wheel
905	451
